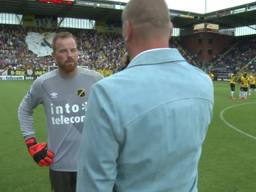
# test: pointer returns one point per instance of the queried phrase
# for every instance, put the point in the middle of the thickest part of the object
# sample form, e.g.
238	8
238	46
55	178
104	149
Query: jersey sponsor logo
67	113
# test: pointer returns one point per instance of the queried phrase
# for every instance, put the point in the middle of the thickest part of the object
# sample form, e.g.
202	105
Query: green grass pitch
228	162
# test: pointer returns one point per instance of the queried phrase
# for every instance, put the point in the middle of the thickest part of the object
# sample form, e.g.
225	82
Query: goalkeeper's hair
61	35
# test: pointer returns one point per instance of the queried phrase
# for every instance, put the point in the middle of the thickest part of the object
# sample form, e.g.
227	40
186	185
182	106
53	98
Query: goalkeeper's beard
68	66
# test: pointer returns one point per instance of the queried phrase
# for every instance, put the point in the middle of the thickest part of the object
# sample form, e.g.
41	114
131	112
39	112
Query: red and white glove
39	152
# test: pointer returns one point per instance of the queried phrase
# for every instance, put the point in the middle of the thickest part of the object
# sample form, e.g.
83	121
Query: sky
198	6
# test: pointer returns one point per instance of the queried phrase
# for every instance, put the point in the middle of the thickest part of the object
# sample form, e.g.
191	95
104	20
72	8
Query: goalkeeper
63	94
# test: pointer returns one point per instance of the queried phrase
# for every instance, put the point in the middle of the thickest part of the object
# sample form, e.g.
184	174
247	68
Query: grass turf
228	157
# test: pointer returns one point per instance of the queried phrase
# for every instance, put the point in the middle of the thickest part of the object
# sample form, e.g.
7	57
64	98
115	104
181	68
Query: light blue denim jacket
145	127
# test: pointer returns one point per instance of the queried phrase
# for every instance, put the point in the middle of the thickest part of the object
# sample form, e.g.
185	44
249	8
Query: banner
40	43
9	77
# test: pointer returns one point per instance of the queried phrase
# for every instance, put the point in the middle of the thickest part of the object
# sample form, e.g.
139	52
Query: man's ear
171	30
127	30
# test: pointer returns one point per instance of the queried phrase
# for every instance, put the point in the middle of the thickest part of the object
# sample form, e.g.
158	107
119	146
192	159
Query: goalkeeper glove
39	152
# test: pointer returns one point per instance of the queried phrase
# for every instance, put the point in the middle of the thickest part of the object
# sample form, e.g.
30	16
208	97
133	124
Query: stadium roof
88	11
200	6
242	15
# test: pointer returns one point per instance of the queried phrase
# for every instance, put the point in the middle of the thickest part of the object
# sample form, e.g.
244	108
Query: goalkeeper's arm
38	151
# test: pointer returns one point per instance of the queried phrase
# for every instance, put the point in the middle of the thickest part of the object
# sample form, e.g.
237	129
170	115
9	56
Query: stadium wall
207	45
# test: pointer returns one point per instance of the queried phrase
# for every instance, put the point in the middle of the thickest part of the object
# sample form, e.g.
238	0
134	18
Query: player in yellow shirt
232	84
211	75
252	83
244	86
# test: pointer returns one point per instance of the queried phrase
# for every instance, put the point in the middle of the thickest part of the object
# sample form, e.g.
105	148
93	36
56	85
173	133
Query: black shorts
63	181
252	86
232	86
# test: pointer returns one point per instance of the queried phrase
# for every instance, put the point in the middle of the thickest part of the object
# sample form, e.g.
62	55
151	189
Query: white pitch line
232	126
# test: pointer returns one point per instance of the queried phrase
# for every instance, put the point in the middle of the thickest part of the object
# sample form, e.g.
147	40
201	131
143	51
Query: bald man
146	124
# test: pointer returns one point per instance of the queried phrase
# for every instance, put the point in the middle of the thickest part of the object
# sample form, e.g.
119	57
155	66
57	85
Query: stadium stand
241	54
205	40
97	50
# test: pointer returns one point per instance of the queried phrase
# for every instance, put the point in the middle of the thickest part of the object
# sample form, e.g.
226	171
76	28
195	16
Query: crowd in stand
238	56
11	46
190	57
97	50
102	50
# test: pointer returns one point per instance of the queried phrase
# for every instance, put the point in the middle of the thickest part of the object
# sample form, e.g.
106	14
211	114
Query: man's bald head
148	16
